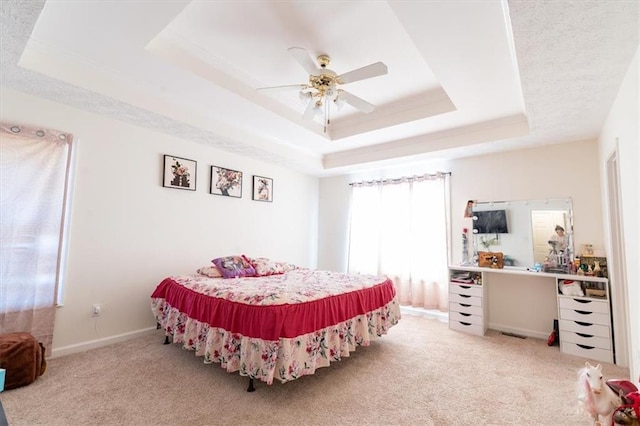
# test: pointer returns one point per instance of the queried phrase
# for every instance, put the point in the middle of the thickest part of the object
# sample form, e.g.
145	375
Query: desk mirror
525	230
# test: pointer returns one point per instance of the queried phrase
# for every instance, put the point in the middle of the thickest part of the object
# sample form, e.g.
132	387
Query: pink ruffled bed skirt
284	359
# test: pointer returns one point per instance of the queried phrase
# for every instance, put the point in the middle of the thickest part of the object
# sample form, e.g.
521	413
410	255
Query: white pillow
210	271
571	288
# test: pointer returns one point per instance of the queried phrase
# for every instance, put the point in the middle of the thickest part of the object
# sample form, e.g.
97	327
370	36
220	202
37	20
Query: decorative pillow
210	271
286	267
570	288
234	266
265	266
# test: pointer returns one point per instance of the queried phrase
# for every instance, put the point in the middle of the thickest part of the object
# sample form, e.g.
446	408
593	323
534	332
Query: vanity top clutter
464	277
477	279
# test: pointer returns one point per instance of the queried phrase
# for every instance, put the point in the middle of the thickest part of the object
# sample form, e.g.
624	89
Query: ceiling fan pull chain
327	110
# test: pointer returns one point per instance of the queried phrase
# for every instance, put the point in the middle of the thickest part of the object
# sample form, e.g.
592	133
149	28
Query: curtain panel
34	175
399	229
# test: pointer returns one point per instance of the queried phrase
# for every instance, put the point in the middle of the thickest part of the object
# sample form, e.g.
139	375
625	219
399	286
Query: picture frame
262	189
226	182
179	173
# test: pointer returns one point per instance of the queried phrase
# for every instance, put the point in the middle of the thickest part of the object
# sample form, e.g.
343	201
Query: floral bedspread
291	335
297	286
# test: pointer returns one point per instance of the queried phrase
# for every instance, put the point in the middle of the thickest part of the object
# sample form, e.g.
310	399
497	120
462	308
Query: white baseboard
410	310
94	344
519	331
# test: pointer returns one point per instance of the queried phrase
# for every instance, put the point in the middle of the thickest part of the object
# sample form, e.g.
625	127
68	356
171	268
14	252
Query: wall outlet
96	310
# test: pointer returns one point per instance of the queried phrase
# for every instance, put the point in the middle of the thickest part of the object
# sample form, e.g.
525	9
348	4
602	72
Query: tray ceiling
463	77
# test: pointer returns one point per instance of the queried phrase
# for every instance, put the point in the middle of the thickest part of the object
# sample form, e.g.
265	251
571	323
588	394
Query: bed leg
166	340
251	388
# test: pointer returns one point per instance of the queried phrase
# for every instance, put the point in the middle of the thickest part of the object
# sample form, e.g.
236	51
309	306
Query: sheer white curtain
34	166
399	229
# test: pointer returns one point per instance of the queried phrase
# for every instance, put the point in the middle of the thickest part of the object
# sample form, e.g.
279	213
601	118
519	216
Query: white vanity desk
523	302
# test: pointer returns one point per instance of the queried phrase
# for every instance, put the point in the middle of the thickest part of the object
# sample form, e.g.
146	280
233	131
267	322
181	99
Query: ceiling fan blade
302	57
285	87
369	71
309	111
357	102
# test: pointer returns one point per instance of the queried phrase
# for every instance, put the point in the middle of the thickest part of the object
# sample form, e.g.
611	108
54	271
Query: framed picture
262	188
226	182
179	173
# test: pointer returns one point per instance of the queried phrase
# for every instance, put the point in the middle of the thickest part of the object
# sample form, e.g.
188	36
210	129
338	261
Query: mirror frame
517	245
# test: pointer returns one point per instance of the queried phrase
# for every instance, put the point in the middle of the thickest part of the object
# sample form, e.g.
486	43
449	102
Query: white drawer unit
585	323
467	305
585	328
473	290
585	316
591	352
467	327
464	299
584	304
465	308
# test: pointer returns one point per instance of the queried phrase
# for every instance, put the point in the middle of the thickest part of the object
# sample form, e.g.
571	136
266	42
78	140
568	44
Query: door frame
617	262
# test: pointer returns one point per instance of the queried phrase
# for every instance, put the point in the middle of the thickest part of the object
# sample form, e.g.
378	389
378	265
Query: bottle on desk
572	268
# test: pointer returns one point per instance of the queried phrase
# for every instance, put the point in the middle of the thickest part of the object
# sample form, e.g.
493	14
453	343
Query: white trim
434	314
617	261
94	344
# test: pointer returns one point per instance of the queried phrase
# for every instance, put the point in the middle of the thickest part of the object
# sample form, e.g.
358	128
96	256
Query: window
399	229
34	178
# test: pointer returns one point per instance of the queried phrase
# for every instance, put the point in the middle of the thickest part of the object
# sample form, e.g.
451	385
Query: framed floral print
179	173
226	182
262	188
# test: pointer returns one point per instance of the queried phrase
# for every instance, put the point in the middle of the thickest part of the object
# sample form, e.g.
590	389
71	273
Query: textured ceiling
567	59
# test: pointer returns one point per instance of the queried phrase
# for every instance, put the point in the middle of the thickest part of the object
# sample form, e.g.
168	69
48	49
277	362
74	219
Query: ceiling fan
324	84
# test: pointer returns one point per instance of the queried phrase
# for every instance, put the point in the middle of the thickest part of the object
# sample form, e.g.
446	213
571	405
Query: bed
275	327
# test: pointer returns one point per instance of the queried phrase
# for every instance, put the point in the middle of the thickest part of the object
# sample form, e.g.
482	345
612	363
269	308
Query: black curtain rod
402	179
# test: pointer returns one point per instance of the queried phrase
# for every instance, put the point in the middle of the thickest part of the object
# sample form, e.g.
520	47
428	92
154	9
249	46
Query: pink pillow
234	266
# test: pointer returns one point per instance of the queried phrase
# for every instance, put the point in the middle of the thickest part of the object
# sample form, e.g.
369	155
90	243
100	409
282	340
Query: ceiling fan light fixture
331	93
323	87
305	97
317	108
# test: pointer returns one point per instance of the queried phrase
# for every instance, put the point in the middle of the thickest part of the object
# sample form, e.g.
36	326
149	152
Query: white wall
128	232
554	171
333	223
622	129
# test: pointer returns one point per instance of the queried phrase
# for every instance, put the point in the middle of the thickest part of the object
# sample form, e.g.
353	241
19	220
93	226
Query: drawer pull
464	314
582	301
585	335
584	324
464	295
465	287
582	312
585	346
464	323
464	305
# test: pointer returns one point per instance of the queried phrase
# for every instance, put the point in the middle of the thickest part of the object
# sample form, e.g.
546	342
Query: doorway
543	224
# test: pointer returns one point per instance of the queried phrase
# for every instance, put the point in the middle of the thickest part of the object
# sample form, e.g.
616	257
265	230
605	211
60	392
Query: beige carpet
421	373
